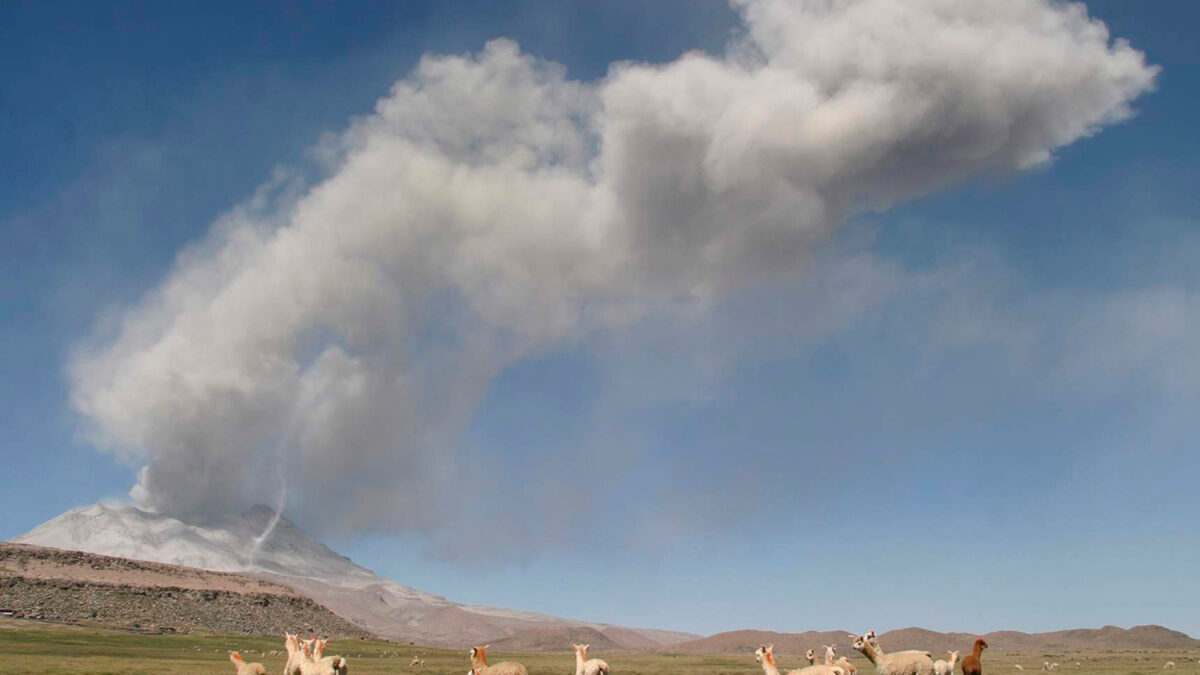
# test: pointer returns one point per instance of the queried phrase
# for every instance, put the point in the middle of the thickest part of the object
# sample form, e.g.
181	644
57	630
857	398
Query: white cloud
490	208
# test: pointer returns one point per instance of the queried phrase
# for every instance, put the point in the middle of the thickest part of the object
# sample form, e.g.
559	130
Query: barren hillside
72	586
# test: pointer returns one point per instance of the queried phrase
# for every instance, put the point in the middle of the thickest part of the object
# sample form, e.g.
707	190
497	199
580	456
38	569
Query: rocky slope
74	587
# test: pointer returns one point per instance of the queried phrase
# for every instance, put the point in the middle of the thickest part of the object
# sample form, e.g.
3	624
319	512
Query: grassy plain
54	649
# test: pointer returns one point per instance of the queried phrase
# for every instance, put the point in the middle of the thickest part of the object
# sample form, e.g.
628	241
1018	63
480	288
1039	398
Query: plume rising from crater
491	208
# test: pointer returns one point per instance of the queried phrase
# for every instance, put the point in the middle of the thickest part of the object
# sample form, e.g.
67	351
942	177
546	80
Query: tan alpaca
308	664
244	668
586	666
479	664
911	662
319	664
295	654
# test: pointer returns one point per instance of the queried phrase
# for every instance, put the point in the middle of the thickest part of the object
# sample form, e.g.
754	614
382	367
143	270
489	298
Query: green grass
34	647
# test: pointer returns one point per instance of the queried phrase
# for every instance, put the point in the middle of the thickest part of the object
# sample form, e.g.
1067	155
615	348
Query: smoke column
279	505
491	208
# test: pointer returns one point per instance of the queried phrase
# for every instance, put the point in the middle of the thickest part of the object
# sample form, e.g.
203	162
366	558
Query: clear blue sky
975	410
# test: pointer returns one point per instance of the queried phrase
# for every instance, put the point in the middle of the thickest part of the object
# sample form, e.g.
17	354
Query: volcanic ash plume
490	207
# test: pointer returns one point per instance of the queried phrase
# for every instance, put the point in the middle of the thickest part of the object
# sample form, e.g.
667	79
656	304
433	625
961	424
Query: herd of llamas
307	657
304	657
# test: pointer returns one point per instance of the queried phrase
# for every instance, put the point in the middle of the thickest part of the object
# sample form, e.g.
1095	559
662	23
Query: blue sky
973	410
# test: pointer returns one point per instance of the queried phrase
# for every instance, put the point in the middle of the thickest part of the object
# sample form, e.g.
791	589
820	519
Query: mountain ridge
287	556
388	608
1106	638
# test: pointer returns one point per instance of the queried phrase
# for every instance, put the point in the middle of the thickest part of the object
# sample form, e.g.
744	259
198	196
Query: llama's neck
769	666
978	650
578	662
869	651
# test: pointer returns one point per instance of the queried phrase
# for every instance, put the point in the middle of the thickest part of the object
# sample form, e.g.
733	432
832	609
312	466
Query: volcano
290	557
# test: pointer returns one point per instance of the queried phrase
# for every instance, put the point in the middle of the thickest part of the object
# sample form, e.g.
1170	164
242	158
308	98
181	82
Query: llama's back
910	662
595	667
505	668
819	669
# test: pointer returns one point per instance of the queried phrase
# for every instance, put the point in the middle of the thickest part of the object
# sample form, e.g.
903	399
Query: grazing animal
1170	665
586	666
1019	667
844	663
941	667
244	668
971	664
811	656
479	664
830	653
416	662
909	662
765	655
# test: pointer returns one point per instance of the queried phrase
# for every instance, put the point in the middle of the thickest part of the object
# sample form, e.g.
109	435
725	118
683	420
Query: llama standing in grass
295	654
308	664
479	664
811	656
586	666
830	653
1170	665
244	668
972	665
327	665
941	667
895	663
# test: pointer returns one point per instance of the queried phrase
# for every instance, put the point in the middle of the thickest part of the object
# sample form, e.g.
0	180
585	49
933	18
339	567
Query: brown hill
555	640
1108	638
74	587
748	640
